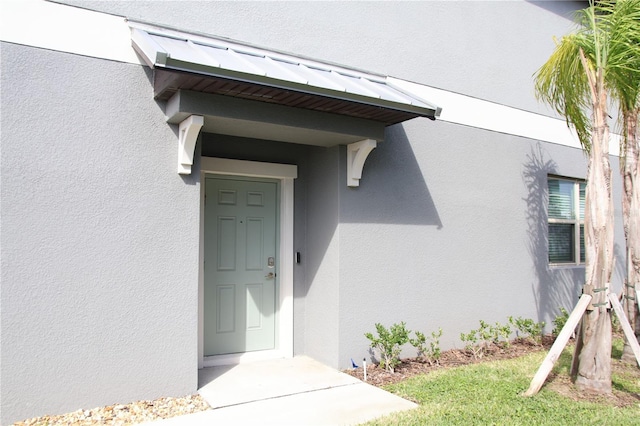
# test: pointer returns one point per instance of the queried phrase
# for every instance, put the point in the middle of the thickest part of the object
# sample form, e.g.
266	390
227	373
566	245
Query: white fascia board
65	28
482	114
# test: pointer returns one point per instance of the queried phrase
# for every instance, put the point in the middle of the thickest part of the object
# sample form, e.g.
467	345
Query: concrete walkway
297	391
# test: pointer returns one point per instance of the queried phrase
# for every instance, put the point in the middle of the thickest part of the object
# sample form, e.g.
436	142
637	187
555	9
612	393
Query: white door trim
285	173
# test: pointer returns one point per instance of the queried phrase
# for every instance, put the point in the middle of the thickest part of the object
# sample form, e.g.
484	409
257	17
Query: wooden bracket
357	153
187	136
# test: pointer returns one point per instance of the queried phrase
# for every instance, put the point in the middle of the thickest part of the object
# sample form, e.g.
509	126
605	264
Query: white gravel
124	414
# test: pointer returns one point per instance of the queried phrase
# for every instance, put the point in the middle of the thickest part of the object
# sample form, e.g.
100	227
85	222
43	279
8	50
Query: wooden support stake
558	345
626	327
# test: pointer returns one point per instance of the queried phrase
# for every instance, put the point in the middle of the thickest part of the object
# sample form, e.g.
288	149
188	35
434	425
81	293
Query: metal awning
204	64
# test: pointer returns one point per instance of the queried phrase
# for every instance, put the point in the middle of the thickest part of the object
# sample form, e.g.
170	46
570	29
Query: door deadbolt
271	262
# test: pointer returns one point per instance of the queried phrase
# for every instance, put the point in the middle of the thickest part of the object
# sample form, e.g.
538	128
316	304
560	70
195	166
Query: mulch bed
410	367
561	384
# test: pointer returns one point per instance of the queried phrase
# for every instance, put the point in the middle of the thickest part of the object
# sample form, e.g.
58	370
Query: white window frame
576	221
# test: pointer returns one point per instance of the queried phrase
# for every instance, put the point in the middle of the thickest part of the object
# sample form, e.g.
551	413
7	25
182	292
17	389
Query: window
566	221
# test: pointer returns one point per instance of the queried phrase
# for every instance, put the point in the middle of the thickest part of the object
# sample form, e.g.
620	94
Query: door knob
270	276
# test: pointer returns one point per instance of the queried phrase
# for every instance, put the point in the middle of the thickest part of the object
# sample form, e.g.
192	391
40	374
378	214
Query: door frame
285	173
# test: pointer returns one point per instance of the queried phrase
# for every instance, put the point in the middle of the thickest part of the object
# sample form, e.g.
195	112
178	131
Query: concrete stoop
295	391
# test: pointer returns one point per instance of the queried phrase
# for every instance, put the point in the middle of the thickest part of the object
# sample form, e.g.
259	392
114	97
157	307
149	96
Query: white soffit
177	51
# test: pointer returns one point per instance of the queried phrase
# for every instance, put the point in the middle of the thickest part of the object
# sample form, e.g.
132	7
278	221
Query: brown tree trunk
631	218
591	368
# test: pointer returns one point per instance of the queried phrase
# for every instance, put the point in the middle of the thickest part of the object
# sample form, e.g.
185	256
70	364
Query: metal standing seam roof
211	65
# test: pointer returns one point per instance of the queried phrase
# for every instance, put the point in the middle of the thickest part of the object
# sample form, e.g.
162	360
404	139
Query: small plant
486	334
472	345
560	321
389	343
479	340
500	334
528	328
430	353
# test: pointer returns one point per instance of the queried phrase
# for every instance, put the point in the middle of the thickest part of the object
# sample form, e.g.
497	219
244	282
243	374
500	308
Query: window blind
561	243
561	199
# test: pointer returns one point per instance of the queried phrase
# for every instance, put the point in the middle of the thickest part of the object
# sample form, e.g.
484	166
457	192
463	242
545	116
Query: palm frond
621	19
562	84
622	22
608	36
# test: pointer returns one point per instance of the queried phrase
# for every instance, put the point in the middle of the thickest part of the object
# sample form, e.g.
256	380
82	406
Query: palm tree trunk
631	218
591	367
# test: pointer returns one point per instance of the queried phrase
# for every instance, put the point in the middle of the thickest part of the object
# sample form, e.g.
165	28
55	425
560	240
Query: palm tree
576	81
623	20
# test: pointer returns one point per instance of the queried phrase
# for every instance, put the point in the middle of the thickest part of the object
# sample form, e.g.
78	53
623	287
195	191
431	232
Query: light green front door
240	269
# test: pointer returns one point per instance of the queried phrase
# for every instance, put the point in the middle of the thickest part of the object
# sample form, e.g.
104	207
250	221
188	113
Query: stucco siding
452	45
449	226
99	239
324	256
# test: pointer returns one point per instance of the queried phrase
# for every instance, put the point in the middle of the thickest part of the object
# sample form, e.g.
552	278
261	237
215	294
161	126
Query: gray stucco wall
99	239
448	227
322	321
463	46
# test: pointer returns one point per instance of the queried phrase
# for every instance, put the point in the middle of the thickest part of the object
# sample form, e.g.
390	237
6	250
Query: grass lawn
490	393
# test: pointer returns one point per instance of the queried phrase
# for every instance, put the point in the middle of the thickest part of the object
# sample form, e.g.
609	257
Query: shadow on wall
554	287
392	189
564	9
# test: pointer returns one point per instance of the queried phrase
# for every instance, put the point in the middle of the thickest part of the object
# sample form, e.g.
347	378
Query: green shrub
560	321
528	328
429	353
389	343
472	344
500	334
479	340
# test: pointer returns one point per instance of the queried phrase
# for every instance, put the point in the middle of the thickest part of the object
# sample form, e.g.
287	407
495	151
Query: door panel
240	230
227	249
254	302
255	245
225	306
